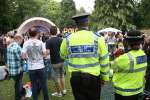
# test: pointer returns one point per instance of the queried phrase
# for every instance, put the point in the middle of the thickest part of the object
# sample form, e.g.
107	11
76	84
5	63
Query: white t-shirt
111	40
34	49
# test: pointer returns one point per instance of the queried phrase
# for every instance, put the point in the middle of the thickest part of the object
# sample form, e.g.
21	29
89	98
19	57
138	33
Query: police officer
88	60
129	69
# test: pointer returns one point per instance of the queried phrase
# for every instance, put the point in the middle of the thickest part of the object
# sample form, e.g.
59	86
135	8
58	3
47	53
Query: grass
7	90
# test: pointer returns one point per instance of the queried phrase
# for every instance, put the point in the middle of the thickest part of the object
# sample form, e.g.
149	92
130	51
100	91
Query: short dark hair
33	31
11	34
53	30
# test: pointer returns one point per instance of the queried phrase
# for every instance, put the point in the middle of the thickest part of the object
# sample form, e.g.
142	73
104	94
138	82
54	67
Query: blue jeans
38	79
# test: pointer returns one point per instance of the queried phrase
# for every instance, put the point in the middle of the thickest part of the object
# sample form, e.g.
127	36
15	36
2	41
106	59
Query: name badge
141	59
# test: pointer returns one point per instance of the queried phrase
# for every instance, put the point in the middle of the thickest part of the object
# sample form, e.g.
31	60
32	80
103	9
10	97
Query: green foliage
144	10
108	13
67	11
112	13
51	10
81	10
14	12
5	15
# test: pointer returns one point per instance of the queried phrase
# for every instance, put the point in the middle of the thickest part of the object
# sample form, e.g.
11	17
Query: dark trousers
133	97
85	86
19	91
147	85
38	77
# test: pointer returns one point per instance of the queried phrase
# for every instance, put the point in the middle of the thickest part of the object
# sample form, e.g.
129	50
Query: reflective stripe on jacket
129	71
87	53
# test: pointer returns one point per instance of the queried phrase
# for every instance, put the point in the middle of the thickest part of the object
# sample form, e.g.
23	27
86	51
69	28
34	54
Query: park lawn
7	90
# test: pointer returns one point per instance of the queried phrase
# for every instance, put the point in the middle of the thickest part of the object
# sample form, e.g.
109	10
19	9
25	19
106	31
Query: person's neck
11	42
135	47
18	42
83	28
53	36
34	37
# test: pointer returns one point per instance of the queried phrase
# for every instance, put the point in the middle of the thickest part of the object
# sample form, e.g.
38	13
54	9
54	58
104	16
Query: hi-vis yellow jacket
129	70
86	52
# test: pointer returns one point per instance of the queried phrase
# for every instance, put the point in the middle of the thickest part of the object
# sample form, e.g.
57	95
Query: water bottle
25	66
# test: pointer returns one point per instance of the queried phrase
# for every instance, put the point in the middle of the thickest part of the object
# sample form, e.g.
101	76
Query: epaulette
67	34
97	34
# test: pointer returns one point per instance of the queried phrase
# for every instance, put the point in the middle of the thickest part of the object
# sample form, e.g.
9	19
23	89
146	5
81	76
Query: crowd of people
89	58
41	58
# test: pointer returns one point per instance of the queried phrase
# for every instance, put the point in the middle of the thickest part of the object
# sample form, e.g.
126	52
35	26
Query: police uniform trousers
133	97
85	86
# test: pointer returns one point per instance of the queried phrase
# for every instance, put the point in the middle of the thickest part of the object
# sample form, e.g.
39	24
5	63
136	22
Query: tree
67	11
5	23
28	8
112	13
81	10
14	12
144	12
51	10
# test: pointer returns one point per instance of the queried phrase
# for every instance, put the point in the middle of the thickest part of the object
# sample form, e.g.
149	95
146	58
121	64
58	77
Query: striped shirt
14	61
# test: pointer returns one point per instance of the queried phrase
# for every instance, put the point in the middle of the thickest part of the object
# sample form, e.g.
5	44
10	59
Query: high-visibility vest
87	53
129	71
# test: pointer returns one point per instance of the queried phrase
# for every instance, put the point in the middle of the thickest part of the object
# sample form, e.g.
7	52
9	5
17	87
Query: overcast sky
86	4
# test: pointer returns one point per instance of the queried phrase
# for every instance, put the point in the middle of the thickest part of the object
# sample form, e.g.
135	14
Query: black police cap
134	36
81	17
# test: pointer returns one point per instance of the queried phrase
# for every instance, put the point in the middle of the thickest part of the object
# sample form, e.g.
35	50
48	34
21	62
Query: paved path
107	92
